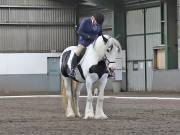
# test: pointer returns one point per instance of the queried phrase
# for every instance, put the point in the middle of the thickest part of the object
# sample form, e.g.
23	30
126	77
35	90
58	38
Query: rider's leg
79	49
74	60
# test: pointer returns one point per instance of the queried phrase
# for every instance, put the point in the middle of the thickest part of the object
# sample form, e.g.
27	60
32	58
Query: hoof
79	115
70	115
90	116
101	117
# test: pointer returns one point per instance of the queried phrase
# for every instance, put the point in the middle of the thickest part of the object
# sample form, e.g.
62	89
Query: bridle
108	61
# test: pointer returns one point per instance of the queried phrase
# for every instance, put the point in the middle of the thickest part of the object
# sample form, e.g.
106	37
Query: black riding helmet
99	18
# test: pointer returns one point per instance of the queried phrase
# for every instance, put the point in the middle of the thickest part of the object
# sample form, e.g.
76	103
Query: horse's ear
117	36
105	39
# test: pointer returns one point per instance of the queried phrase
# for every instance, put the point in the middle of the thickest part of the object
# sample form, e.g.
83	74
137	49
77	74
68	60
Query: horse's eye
111	47
108	50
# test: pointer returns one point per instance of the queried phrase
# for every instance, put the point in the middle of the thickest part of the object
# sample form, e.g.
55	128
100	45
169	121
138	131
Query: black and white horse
92	68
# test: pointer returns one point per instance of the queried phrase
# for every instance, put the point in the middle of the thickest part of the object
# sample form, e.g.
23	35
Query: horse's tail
74	96
64	96
65	99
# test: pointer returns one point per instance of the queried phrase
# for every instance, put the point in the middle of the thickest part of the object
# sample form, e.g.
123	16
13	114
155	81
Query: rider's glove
91	38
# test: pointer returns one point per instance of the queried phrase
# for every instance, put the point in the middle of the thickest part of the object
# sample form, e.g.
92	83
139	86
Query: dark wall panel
36	25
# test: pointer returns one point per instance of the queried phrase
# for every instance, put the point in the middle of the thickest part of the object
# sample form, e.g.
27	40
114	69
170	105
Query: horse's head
109	48
113	50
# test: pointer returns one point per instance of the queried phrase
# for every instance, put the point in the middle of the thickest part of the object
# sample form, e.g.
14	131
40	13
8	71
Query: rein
109	62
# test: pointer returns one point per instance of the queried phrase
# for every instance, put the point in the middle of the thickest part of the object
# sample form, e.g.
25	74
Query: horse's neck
90	57
96	49
99	50
93	55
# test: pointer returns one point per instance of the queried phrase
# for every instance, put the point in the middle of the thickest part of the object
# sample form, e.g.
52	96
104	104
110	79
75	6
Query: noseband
108	61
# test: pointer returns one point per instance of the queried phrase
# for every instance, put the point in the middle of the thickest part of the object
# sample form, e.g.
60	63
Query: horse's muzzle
111	69
112	66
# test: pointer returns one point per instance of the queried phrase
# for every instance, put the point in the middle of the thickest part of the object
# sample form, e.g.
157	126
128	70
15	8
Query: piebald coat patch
99	69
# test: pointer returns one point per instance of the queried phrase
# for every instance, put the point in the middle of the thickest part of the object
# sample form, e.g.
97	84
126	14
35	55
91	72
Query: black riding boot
73	65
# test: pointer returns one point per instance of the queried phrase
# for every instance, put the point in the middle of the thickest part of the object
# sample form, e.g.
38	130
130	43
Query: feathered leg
99	114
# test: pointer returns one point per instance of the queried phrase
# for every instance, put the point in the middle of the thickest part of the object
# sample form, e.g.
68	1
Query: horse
98	59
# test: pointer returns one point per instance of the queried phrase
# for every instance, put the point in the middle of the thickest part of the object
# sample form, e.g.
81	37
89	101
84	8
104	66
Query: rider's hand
91	38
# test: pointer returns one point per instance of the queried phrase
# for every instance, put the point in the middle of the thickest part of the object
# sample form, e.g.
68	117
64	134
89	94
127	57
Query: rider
90	28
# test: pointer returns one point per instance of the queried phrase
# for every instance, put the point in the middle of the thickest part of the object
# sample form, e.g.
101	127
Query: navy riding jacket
88	32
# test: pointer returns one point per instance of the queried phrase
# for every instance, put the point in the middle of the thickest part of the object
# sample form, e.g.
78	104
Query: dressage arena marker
114	97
